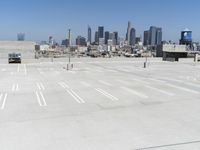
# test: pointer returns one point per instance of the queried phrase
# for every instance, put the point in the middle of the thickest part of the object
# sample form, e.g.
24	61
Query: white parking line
140	81
183	89
25	70
40	86
122	81
157	80
63	84
183	82
108	95
15	87
4	101
104	82
44	101
85	84
40	98
141	95
159	90
76	97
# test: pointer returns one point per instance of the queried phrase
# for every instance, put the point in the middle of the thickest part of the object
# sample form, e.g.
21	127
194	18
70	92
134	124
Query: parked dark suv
14	58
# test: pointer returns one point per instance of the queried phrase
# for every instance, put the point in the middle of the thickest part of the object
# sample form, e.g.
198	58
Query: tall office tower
155	36
158	36
50	40
152	35
146	38
96	37
101	32
69	37
128	32
115	38
132	37
89	35
112	38
20	36
107	34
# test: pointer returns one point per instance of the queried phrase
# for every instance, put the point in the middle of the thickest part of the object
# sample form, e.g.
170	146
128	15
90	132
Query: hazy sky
39	19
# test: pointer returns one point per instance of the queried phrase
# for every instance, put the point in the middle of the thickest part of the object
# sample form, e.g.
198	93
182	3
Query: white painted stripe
111	97
182	88
140	81
85	84
73	96
80	99
122	81
44	101
61	84
38	85
25	70
104	82
141	95
183	82
4	101
76	97
157	80
66	86
38	98
161	91
17	87
13	87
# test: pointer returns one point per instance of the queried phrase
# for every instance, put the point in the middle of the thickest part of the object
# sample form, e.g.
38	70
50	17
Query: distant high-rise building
69	37
101	32
128	32
155	36
50	40
65	42
89	34
96	37
81	41
107	35
132	37
21	37
101	41
152	35
158	36
146	38
138	40
115	38
112	38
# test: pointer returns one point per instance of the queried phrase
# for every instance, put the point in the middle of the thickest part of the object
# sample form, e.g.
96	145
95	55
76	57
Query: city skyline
39	20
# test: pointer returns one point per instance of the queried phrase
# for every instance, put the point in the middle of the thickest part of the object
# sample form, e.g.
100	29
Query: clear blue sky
40	18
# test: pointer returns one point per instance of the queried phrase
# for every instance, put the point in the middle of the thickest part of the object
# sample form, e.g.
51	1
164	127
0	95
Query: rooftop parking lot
101	104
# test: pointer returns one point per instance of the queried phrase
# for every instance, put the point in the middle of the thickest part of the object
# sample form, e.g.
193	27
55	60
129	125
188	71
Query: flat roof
101	104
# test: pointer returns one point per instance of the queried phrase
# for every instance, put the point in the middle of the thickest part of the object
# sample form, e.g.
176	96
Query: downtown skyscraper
89	35
153	36
130	35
